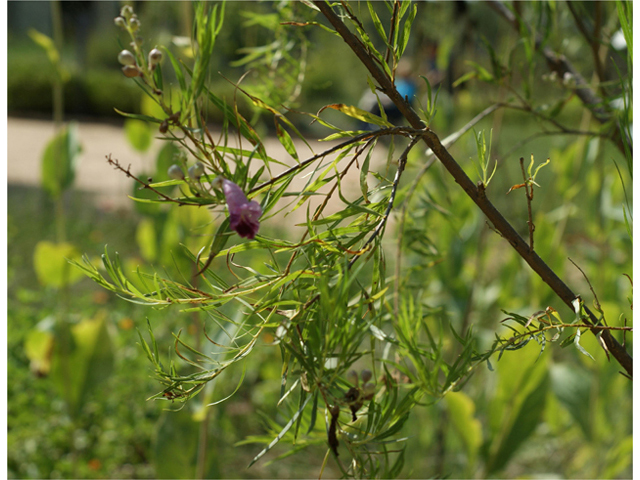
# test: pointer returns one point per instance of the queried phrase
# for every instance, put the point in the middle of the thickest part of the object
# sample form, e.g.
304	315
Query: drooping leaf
82	360
59	161
572	386
528	417
51	262
139	134
462	409
38	347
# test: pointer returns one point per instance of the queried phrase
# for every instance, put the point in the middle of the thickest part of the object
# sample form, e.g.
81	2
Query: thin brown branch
165	198
406	131
561	128
394	20
501	224
430	160
591	34
402	162
528	187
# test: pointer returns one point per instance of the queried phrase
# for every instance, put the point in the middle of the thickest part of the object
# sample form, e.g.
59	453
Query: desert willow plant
325	299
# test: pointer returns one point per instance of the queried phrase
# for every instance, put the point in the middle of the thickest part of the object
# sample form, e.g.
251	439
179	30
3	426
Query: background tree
362	330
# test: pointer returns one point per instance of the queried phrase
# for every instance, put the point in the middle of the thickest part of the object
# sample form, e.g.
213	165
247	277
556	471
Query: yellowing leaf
462	409
51	265
358	114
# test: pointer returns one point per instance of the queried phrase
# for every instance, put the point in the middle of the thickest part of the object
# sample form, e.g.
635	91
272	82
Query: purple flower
243	214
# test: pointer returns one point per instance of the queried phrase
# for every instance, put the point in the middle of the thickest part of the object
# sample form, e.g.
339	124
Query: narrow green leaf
282	433
376	22
526	421
59	160
286	141
576	342
406	31
177	70
138	116
364	187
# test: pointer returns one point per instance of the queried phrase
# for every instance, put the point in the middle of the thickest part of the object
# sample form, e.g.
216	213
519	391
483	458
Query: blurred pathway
27	140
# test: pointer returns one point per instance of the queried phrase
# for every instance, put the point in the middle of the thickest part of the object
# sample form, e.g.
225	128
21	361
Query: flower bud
134	23
568	80
120	22
352	377
125	57
175	172
155	56
366	375
196	170
126	12
244	215
131	71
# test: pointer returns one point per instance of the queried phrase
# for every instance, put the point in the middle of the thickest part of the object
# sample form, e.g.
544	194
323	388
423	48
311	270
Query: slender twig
562	129
528	187
358	138
165	198
533	136
402	162
394	20
500	223
596	302
591	34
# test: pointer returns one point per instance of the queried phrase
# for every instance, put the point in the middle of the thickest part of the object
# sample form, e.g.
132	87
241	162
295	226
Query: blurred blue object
406	87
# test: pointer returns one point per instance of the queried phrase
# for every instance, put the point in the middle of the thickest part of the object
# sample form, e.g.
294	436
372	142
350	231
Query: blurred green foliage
554	413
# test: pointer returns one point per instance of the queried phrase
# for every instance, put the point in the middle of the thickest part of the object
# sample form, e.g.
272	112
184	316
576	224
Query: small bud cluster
173	118
175	172
367	388
194	172
155	56
133	63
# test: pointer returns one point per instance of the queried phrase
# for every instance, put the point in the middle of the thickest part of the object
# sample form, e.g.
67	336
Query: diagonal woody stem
476	193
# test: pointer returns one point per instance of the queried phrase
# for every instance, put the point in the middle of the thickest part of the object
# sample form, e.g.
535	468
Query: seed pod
131	71
155	56
368	390
352	377
366	375
175	172
332	438
125	57
164	126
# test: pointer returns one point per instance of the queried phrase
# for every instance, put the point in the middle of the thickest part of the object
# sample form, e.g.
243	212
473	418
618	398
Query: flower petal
243	215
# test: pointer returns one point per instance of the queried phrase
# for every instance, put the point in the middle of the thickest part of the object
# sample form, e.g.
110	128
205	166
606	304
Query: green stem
60	220
58	96
203	441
